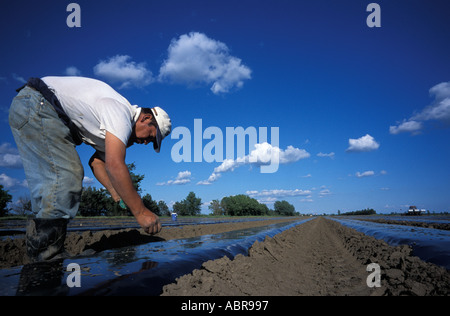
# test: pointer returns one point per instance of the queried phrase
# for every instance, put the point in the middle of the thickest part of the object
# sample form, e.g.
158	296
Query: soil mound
320	257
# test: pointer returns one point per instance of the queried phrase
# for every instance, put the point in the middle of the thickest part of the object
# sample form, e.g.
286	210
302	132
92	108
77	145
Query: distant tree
163	208
180	208
23	206
194	203
265	209
284	208
367	211
215	208
5	198
94	202
98	202
189	206
151	204
135	178
242	205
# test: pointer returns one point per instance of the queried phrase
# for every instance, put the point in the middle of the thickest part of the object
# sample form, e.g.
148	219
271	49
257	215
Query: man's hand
119	176
149	222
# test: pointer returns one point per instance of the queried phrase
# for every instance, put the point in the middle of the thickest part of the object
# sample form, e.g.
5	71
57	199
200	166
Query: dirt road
320	257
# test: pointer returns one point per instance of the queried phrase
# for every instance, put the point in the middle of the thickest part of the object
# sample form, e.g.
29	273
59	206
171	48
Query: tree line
367	211
243	205
97	202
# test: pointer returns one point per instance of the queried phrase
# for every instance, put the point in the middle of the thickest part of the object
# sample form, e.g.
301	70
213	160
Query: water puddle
431	245
134	270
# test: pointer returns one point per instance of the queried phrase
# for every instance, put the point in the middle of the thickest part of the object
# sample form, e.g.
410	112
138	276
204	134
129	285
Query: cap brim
157	143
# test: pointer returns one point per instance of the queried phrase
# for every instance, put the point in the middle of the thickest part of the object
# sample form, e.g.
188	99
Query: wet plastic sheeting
10	228
136	270
432	219
431	245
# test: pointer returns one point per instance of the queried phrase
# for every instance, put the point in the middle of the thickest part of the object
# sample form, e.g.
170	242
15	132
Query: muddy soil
320	257
12	250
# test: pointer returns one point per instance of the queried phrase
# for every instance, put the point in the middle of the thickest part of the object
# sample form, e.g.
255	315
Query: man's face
143	133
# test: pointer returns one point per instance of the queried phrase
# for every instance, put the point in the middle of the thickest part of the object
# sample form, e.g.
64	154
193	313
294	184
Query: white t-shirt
94	107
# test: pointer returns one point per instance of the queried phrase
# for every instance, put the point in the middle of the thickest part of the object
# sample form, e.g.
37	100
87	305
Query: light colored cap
164	126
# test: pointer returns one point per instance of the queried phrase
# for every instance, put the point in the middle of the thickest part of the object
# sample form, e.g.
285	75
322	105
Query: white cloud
194	58
9	156
330	155
438	110
88	181
9	182
120	69
291	154
413	127
364	143
365	174
212	178
270	196
278	193
324	192
183	177
72	71
263	154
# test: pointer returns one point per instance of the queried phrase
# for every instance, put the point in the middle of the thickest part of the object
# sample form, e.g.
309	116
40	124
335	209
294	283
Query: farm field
257	256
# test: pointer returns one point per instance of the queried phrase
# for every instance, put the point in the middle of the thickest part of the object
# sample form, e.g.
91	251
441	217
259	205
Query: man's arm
120	180
98	168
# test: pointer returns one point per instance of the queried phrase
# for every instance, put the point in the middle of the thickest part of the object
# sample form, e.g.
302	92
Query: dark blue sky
313	69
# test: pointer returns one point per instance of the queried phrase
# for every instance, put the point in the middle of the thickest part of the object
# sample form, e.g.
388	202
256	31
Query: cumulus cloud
324	192
364	143
412	127
9	182
368	173
88	181
438	110
121	69
270	196
183	177
9	156
72	71
278	193
195	58
330	155
263	154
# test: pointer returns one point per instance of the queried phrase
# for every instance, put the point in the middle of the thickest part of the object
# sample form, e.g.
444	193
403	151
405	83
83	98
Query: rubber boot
45	238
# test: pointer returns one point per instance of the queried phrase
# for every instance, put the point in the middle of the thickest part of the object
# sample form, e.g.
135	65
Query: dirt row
320	257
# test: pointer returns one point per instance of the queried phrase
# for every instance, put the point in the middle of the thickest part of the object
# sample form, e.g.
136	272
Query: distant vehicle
414	211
